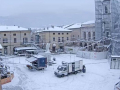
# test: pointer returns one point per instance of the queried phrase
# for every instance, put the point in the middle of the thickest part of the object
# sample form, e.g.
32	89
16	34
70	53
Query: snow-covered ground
98	76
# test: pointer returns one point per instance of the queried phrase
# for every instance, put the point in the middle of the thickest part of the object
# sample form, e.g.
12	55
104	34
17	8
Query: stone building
56	36
13	36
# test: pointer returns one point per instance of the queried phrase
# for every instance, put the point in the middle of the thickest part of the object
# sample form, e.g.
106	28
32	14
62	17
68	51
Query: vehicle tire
76	72
62	75
67	74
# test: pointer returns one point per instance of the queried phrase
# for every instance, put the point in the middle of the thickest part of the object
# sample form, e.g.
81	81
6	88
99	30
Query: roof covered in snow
31	59
12	28
89	22
55	29
38	56
77	25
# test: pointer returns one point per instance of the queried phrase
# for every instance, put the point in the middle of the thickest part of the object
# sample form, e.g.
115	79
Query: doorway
53	49
5	50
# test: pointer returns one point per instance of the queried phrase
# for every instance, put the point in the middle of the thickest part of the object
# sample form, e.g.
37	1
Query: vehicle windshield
60	68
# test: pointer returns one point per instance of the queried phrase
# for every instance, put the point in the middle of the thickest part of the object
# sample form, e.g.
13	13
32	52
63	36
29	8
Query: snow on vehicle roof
38	56
1	46
30	50
26	48
89	22
56	29
12	28
114	56
31	59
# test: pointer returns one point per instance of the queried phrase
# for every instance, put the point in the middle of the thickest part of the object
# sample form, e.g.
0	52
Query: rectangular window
62	39
15	40
53	33
107	34
14	34
25	40
58	33
5	40
5	50
67	33
67	38
53	38
58	39
62	33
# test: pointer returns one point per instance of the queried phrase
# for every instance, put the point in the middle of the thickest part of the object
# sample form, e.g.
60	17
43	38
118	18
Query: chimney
52	26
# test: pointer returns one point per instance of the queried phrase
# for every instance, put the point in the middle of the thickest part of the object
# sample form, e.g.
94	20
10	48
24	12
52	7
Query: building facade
56	36
88	35
13	36
76	32
88	31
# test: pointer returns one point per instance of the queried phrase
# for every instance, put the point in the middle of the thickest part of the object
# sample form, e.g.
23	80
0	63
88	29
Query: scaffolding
107	24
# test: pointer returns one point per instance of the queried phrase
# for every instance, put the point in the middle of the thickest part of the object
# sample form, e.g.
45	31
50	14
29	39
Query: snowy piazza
60	45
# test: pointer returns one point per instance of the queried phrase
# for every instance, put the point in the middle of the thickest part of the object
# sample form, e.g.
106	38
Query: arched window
85	44
84	35
106	9
81	45
89	35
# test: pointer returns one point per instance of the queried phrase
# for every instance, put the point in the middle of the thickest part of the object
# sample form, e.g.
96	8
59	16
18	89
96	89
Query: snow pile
53	28
12	28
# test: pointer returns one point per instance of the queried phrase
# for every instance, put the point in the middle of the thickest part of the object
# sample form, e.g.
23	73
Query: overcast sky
21	7
13	7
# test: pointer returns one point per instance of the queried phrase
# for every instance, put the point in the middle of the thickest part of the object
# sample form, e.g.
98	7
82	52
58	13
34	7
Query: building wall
47	37
86	30
10	35
75	34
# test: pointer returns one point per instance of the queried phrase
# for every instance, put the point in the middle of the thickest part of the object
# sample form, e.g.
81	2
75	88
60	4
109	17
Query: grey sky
15	7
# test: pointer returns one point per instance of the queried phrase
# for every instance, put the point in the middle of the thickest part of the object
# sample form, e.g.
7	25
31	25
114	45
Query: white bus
22	51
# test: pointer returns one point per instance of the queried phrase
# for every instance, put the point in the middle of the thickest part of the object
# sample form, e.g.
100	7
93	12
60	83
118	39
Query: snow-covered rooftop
12	28
31	59
55	29
77	25
89	22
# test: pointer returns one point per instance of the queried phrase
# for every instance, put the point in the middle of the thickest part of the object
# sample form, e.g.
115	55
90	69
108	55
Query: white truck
70	68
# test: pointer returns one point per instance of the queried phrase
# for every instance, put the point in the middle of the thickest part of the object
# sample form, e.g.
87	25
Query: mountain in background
39	20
